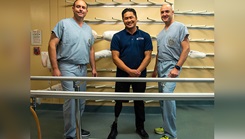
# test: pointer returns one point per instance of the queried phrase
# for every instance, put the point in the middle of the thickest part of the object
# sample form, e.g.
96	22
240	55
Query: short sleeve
183	32
115	42
58	29
148	42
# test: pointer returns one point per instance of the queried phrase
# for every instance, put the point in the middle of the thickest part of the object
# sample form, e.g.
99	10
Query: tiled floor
193	122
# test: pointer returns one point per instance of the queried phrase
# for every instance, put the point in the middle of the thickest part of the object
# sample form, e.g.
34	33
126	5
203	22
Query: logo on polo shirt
140	38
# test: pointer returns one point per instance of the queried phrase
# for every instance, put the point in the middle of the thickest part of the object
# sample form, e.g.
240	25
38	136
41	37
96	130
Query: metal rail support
77	112
33	103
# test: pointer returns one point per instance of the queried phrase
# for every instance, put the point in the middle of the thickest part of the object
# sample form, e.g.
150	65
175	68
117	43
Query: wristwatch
177	67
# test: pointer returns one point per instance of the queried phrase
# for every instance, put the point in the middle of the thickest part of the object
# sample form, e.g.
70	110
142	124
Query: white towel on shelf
196	54
95	34
107	35
102	53
45	60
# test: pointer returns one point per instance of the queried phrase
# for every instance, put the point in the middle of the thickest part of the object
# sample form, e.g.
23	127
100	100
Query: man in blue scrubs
70	50
131	52
172	51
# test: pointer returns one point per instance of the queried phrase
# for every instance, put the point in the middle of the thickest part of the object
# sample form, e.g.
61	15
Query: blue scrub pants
168	107
71	70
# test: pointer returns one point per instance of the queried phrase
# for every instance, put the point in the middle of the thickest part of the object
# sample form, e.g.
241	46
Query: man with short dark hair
131	52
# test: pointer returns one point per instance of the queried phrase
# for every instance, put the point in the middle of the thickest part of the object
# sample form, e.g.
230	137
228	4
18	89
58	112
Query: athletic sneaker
85	133
165	137
159	130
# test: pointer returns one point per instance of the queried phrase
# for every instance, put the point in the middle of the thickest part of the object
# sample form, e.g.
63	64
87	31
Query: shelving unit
150	23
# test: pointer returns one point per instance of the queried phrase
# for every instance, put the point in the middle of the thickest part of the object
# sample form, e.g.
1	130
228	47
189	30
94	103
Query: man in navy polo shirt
131	52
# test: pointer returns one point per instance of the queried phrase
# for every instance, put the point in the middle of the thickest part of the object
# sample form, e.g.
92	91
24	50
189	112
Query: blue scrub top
169	42
75	41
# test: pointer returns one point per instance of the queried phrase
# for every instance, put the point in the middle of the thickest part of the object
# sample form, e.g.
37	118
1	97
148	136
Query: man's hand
56	72
94	73
134	73
173	73
154	74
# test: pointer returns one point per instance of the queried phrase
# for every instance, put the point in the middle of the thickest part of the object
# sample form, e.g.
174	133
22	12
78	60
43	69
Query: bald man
172	51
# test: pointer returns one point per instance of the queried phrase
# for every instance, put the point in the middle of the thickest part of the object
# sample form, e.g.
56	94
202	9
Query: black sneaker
113	133
142	133
85	133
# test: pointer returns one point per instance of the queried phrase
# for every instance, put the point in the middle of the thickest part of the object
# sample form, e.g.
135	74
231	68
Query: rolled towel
95	34
196	54
107	35
102	53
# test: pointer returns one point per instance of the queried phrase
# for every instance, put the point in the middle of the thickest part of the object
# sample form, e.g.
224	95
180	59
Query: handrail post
77	112
33	103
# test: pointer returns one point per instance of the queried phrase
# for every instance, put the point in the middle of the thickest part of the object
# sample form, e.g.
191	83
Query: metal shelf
191	12
148	20
114	3
199	26
209	54
198	67
202	40
113	20
100	37
147	3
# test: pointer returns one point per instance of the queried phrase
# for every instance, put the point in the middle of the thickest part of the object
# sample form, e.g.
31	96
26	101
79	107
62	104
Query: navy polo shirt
131	48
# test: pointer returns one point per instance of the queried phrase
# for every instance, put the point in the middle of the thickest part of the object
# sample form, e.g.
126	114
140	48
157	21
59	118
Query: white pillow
107	35
102	53
196	54
95	34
